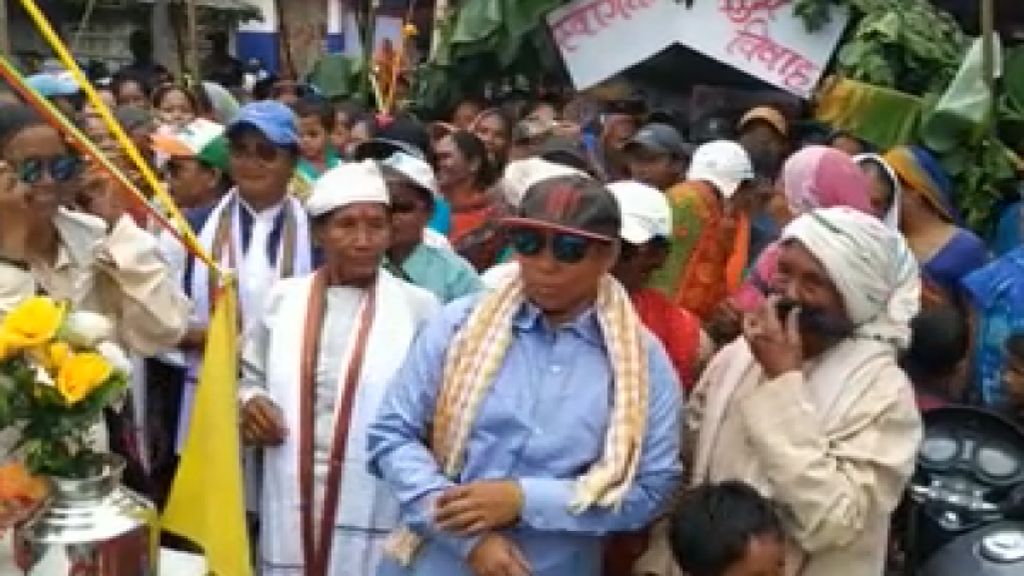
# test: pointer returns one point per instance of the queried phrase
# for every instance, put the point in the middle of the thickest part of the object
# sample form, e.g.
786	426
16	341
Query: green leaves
54	435
907	45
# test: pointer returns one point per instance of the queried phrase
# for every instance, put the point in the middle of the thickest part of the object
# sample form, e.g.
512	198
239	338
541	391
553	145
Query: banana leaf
881	116
963	113
337	75
496	26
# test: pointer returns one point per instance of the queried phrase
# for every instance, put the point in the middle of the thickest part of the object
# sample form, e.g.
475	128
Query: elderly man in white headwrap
314	371
810	406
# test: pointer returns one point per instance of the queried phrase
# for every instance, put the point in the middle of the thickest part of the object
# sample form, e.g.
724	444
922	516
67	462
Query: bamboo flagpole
167	203
84	145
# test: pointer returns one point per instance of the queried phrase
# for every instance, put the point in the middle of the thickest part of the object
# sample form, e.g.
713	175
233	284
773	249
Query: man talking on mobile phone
810	407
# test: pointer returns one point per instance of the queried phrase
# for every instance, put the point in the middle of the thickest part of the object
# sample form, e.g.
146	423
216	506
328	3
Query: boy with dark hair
316	124
727	529
941	340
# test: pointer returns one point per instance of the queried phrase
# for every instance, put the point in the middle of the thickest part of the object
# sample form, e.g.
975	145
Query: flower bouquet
58	372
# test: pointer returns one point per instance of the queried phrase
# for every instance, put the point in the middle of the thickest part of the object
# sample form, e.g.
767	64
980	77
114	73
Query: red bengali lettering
754	43
741	11
591	18
575	23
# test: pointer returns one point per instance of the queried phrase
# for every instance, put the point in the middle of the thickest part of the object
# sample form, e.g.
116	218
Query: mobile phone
784	307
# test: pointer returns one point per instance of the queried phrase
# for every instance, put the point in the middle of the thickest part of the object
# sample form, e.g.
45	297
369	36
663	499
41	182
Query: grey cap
660	138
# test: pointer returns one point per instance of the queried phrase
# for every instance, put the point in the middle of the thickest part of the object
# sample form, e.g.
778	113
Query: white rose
87	329
115	355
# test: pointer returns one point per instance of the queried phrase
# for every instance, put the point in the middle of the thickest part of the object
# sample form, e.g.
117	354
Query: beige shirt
120	275
833	445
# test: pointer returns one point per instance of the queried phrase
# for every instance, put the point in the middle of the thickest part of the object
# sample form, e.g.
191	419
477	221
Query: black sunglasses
565	247
403	207
263	151
61	168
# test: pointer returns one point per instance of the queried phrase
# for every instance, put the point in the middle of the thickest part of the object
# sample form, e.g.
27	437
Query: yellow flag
206	504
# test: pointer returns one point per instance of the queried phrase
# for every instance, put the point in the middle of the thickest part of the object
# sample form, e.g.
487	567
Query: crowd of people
509	342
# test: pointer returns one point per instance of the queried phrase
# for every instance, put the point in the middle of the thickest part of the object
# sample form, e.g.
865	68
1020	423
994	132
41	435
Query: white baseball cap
520	175
352	183
645	212
723	163
414	169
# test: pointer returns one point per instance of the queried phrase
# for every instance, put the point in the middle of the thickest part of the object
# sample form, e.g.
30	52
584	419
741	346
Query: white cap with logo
723	163
352	183
646	213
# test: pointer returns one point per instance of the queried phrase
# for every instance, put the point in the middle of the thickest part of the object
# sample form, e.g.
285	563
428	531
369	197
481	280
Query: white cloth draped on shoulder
249	306
367	511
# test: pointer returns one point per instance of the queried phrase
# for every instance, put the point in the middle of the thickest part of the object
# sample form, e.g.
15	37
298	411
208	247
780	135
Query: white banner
600	38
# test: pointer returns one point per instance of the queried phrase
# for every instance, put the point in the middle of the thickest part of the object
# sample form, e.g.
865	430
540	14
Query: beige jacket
834	445
120	275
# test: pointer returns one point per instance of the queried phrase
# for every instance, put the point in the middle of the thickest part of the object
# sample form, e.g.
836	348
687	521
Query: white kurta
367	511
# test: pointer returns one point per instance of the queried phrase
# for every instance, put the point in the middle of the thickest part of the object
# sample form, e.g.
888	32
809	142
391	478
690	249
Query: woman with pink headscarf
814	177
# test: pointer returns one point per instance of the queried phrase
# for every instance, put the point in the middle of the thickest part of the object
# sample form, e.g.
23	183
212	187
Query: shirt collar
586	325
267	214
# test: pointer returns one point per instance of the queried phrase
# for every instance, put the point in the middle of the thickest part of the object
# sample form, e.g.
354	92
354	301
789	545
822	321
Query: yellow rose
81	374
58	353
5	347
50	356
34	322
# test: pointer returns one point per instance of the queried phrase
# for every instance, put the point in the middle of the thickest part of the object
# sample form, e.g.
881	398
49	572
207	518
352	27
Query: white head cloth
871	266
352	183
892	217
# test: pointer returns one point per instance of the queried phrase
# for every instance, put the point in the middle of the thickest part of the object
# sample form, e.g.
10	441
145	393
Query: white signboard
599	38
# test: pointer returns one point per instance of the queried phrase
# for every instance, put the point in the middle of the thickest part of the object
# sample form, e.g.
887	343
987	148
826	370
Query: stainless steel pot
91	527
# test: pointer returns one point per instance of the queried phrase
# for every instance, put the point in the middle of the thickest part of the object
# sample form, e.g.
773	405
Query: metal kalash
966	510
91	527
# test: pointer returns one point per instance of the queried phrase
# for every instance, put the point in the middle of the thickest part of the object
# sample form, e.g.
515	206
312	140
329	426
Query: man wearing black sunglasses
413	189
529	420
256	229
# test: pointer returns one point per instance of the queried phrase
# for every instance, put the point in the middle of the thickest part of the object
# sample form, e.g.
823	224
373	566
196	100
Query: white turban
871	266
352	183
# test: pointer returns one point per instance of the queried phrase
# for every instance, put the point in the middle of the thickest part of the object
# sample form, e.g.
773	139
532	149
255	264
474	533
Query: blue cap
275	120
51	85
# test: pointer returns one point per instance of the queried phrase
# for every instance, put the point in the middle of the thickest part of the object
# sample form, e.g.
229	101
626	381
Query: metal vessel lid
1004	546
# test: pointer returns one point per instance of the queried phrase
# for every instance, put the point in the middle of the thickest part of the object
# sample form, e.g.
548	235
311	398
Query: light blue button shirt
543	423
441	271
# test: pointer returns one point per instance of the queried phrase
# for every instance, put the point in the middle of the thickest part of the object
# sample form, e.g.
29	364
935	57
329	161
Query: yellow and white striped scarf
473	361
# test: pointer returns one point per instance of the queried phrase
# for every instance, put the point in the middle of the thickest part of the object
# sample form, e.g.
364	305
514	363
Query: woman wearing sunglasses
548	382
93	255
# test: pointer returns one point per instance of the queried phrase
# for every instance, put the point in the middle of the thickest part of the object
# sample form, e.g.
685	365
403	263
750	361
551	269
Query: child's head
1013	373
345	114
727	529
316	122
175	106
941	338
